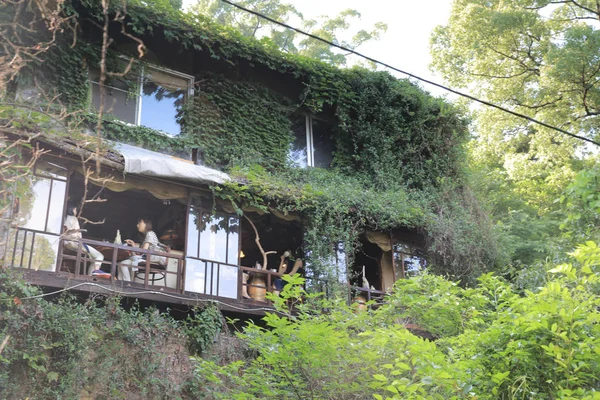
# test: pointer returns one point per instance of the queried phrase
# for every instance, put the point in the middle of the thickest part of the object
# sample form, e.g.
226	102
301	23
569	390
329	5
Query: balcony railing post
218	275
178	276
240	283
78	258
147	267
31	250
59	261
23	249
113	265
12	263
205	274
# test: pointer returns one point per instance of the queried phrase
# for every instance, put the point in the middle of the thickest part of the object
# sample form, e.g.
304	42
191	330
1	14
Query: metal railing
147	268
358	294
73	262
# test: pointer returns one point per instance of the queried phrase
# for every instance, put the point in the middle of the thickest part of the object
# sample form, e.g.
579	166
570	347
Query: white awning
150	163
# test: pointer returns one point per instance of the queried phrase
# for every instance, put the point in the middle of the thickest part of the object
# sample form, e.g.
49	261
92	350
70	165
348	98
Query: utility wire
466	95
122	293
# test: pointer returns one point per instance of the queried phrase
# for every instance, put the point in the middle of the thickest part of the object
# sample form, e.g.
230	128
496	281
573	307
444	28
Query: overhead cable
457	92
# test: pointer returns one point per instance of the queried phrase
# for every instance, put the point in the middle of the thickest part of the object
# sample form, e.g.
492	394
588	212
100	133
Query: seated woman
72	231
279	283
144	226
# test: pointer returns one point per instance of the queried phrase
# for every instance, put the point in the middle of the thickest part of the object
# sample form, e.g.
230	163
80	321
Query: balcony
64	268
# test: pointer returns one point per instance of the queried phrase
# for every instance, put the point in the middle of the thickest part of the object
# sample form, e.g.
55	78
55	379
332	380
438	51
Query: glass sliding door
212	252
35	240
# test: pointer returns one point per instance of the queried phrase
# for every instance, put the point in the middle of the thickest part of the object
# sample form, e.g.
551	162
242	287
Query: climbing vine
398	162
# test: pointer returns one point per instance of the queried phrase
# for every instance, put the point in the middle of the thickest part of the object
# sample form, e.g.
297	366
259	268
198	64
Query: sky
405	45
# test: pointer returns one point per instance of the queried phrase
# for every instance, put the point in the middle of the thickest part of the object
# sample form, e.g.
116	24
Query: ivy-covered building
246	160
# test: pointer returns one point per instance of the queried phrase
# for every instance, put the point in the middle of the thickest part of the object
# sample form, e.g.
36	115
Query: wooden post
113	265
78	258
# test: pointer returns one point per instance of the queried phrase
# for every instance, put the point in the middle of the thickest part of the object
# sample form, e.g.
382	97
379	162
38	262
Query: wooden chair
157	272
68	264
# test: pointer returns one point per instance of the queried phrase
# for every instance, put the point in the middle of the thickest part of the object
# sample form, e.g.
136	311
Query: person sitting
279	283
72	232
144	226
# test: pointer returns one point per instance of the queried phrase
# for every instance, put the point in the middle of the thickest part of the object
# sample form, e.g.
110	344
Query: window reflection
312	145
212	242
211	278
228	281
297	154
49	169
213	238
322	144
55	211
42	209
32	250
409	262
162	98
157	105
234	241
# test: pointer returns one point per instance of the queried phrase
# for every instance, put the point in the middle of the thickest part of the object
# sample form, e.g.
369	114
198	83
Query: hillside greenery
510	300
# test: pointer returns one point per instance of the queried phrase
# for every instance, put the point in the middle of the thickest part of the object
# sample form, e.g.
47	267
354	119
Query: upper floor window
152	99
312	146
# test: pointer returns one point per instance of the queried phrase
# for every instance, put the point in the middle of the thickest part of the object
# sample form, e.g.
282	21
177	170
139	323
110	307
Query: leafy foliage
285	39
538	58
66	349
493	344
399	158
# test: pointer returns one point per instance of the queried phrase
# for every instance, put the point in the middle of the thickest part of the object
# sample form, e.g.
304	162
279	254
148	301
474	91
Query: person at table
72	232
279	283
144	226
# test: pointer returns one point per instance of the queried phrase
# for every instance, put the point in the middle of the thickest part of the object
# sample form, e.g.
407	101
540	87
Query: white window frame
139	102
310	150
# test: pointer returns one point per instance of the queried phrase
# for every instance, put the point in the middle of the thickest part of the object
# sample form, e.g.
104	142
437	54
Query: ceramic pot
258	291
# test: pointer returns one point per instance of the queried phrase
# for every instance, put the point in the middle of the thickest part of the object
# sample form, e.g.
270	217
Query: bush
494	343
63	349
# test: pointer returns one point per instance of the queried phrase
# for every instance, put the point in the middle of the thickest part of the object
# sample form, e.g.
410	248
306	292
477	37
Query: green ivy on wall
399	153
237	123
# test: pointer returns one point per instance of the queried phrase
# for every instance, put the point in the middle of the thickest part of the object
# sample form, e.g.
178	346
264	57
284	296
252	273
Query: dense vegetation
400	154
514	199
493	341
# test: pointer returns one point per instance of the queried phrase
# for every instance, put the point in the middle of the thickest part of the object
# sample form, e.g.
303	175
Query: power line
123	293
462	94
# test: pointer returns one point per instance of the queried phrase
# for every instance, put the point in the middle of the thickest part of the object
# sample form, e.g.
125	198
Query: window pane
342	268
228	281
233	249
322	144
57	203
39	249
194	221
118	102
34	206
213	238
194	275
297	154
50	170
162	97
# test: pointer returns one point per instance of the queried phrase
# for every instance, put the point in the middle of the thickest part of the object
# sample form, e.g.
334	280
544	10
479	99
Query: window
152	99
312	145
34	242
212	251
408	261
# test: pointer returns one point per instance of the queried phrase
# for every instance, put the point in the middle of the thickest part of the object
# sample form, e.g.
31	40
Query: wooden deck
89	284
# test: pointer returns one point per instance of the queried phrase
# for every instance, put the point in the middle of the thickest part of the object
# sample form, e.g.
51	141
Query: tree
540	58
287	40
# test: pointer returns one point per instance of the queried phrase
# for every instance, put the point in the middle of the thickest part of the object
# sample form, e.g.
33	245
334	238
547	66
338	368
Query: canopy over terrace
144	162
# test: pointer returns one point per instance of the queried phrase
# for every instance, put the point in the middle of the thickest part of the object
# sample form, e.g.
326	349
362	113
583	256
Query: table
107	252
